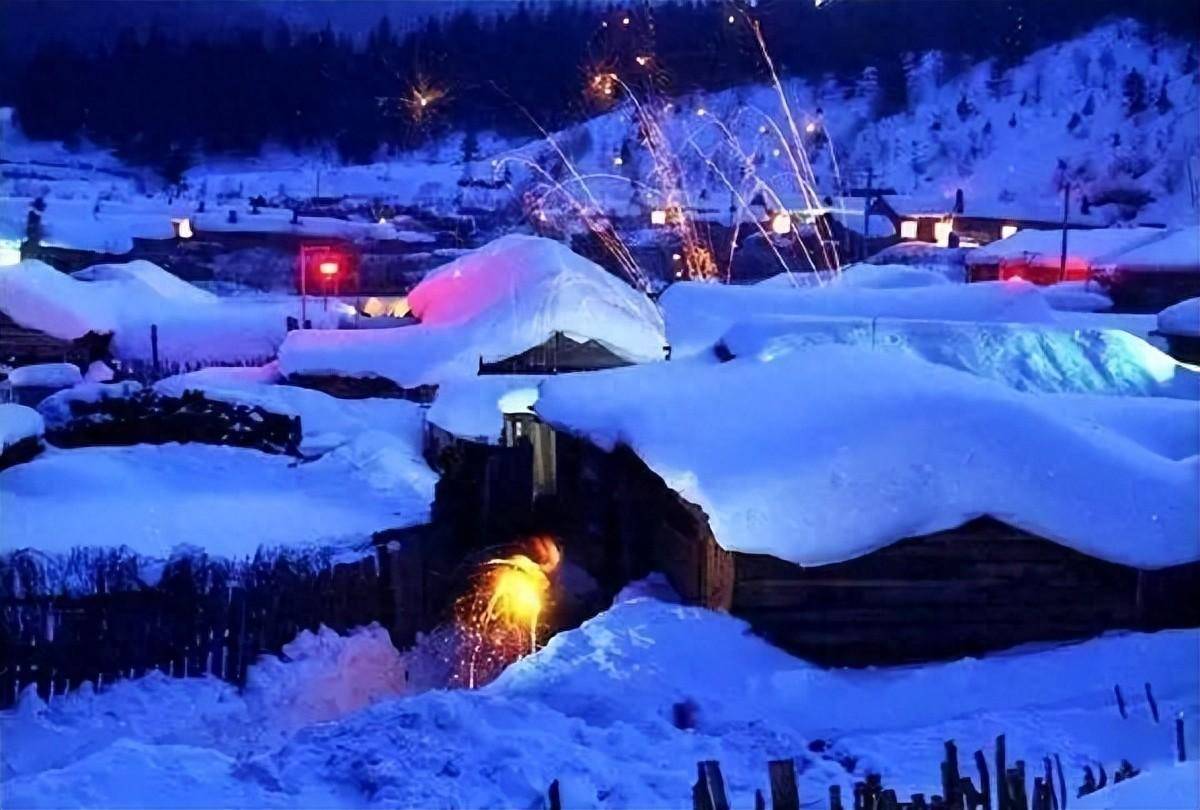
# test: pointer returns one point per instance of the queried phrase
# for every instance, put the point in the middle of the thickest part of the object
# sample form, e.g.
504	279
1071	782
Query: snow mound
827	454
1027	357
1181	319
473	408
45	375
325	421
18	422
1167	787
1075	296
495	302
1177	251
698	314
152	276
1085	248
890	276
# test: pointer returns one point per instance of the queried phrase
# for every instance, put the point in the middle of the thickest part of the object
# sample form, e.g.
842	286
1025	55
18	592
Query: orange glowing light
328	268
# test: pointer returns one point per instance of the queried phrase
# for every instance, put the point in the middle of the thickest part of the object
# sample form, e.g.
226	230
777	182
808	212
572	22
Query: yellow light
942	231
618	160
762	130
604	24
781	223
775	152
183	228
701	111
328	268
383	220
731	20
658	217
1008	230
908	229
810	127
625	21
643	60
675	257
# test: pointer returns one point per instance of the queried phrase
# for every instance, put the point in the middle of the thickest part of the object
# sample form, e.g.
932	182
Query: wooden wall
20	345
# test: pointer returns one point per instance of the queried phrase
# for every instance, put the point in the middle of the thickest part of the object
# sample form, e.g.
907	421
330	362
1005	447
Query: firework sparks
499	619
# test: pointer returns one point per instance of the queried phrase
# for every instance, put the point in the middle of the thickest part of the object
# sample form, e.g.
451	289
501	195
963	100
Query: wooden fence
204	616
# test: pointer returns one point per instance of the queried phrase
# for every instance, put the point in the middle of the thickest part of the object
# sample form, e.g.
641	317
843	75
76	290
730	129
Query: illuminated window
658	217
942	231
1008	230
908	229
183	228
328	268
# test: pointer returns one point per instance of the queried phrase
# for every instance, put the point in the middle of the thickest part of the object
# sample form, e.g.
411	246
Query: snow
1075	296
1168	787
279	221
1181	319
18	422
697	314
473	408
1177	251
1028	357
154	499
495	302
45	375
193	326
325	421
889	276
820	455
339	726
102	227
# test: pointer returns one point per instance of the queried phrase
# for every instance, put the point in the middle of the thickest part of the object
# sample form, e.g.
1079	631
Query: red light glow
328	268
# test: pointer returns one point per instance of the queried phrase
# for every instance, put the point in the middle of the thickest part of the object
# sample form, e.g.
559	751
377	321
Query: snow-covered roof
45	375
128	299
1089	247
697	314
279	221
86	225
473	408
18	422
1177	250
823	455
1181	319
498	301
152	499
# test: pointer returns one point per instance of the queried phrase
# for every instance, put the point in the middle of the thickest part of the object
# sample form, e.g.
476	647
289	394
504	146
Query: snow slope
821	455
334	727
498	301
473	408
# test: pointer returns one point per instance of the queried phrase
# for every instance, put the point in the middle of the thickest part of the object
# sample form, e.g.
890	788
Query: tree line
162	100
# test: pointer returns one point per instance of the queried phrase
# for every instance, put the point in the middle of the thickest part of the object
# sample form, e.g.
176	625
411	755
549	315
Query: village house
806	512
1037	256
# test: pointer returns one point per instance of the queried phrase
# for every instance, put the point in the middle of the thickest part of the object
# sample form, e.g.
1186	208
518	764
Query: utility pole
1062	262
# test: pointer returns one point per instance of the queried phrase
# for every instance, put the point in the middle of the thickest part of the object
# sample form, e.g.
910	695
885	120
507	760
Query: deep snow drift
594	709
821	455
18	422
495	302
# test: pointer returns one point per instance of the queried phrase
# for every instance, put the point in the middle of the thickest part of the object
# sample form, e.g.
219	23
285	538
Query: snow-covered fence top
823	455
505	298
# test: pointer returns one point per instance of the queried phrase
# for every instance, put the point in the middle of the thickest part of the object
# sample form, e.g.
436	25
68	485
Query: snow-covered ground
340	725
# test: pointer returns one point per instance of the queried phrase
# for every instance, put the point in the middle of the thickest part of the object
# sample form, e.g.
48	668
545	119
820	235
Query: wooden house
22	346
984	585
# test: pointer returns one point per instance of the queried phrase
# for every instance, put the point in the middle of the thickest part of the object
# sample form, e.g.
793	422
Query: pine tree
1163	105
1134	90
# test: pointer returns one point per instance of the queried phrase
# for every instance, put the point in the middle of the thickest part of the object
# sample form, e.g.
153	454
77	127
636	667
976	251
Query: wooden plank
784	793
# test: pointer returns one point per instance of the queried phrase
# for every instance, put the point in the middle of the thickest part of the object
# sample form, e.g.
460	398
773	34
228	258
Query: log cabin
22	346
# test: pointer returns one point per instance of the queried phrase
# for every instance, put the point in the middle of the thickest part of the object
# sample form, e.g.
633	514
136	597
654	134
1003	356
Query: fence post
1002	798
1120	701
1153	703
985	782
1180	749
835	797
154	348
555	797
950	788
784	793
1062	782
709	791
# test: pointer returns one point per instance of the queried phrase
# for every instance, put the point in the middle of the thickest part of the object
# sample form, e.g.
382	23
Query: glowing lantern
942	231
1008	230
908	229
328	269
781	223
625	21
731	19
618	160
701	111
183	228
810	127
658	217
